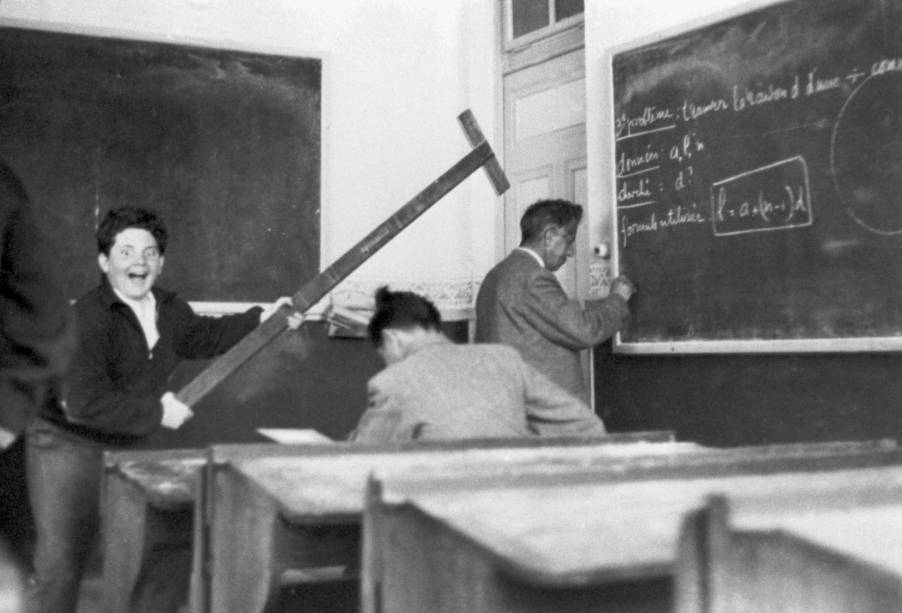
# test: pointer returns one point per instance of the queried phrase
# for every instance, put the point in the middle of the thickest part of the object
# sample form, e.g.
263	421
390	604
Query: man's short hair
402	310
545	213
122	218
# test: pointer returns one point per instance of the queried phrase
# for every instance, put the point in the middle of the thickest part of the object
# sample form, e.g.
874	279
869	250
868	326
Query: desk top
165	479
581	533
328	488
327	485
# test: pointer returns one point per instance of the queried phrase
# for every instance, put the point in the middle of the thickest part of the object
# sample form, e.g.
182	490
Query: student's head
130	246
548	227
401	320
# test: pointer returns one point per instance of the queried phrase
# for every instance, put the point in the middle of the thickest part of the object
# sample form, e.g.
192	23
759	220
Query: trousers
64	474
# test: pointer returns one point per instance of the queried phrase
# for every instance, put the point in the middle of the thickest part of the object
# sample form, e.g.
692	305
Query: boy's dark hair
403	310
122	218
544	213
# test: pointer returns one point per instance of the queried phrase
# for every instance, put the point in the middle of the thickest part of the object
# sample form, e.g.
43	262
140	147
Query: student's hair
402	310
117	220
544	213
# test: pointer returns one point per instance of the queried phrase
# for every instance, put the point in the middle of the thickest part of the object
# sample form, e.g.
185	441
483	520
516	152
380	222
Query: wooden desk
829	554
153	539
577	541
148	508
295	519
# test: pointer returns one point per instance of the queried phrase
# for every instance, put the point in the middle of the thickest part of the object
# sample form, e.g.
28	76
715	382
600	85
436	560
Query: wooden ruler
481	156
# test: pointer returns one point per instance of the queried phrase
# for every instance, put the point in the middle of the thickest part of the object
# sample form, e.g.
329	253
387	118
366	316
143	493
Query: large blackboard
224	143
758	180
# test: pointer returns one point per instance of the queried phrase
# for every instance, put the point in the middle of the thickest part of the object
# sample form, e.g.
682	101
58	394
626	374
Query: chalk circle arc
866	154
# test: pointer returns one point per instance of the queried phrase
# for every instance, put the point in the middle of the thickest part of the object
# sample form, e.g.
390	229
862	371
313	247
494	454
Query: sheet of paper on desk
294	436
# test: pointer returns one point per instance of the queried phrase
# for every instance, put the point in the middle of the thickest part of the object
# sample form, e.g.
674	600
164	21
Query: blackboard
224	143
757	176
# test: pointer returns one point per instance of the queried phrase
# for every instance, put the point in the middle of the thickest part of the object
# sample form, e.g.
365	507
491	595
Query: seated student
435	389
131	336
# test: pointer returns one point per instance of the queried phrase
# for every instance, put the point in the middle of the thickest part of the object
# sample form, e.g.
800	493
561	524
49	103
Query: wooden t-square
316	288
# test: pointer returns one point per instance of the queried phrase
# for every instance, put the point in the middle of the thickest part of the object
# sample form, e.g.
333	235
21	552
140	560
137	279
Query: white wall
614	24
396	73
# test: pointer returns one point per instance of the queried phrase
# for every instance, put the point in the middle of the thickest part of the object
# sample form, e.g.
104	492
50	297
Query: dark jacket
114	384
36	335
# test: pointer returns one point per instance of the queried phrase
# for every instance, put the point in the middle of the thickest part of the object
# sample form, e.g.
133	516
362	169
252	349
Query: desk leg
371	551
198	591
241	545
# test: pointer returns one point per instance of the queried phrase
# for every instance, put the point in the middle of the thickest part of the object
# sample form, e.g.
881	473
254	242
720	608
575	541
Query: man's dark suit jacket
523	305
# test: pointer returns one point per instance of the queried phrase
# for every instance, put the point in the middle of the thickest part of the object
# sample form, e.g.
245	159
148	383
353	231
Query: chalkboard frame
857	344
221	302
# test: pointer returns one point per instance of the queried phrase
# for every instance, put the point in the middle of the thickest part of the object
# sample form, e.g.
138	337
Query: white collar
534	255
140	305
146	312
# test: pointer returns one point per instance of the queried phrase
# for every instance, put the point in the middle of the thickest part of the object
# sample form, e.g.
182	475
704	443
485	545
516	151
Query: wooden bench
827	551
604	538
291	520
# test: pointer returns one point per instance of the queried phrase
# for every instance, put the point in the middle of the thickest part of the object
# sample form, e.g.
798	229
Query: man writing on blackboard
521	303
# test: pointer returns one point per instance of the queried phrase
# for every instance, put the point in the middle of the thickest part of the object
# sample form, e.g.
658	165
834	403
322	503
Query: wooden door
545	153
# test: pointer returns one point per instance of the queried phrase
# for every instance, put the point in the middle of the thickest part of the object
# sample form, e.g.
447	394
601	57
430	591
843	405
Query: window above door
535	30
540	17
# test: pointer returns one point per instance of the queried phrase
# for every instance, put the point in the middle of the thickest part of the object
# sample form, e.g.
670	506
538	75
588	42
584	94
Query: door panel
545	129
545	153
